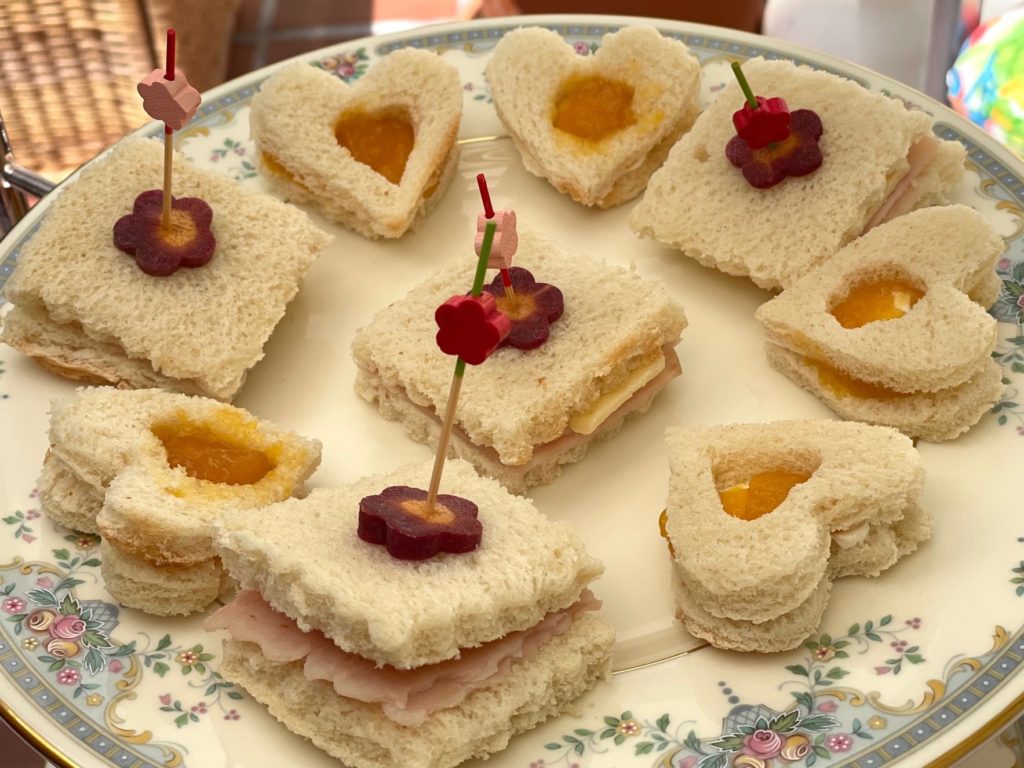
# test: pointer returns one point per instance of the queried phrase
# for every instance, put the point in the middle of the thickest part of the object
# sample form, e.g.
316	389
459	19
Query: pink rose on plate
116	666
762	743
68	628
828	706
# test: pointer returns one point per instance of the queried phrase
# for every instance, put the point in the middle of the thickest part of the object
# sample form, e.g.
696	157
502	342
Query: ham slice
905	194
406	696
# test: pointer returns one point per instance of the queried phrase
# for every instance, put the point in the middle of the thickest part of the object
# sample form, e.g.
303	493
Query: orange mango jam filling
843	385
663	529
876	300
761	494
180	230
273	165
205	455
382	140
592	107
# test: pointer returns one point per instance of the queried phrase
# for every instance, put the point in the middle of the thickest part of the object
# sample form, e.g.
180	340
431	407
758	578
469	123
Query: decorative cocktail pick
413	524
470	327
506	239
761	121
771	142
168	97
531	306
164	233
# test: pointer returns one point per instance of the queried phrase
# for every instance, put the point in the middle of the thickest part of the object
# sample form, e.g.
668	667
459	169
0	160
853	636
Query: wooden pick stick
460	370
485	197
165	217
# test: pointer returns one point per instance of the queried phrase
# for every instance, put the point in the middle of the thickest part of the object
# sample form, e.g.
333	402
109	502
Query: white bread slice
399	612
934	416
526	72
96	315
614	321
699	203
423	426
860	474
66	498
941	342
783	632
107	472
884	545
360	735
166	590
293	118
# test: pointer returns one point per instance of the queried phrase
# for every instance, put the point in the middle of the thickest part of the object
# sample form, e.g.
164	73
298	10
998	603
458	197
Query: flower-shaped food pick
169	99
535	307
179	235
471	327
772	142
506	238
158	250
399	519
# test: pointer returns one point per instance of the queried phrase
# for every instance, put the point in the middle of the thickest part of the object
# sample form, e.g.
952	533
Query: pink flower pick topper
506	240
173	101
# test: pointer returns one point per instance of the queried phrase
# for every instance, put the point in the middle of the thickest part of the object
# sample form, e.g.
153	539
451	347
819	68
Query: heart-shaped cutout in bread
151	471
893	329
837	489
374	156
598	126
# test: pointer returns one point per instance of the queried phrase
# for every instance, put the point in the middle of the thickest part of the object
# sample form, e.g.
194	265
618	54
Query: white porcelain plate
921	663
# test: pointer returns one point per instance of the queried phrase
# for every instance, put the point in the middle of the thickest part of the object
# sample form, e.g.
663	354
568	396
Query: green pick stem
485	254
478	278
751	100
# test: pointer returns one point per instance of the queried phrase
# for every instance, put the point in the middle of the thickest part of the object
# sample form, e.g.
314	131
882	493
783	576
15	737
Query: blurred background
68	68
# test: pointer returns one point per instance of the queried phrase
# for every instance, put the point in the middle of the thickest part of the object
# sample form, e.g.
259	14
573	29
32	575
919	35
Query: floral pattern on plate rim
825	724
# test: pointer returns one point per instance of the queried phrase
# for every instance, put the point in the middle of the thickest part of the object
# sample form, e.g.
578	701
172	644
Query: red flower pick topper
174	102
797	155
536	306
771	142
398	518
471	327
159	251
767	124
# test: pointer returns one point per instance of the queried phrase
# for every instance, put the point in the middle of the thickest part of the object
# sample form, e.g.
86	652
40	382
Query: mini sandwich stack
150	471
843	501
85	310
375	157
893	329
394	663
527	413
881	161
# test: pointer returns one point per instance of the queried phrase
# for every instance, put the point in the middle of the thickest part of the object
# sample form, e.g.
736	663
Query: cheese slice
850	537
585	423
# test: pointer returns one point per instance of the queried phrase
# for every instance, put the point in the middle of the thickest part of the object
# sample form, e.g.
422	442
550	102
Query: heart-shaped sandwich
151	471
893	330
762	517
376	156
598	126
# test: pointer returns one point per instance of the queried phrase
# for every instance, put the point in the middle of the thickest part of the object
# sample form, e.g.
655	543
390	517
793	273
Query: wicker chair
68	69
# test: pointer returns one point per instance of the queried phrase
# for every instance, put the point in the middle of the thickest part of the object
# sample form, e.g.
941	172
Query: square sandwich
391	663
526	413
880	160
85	310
